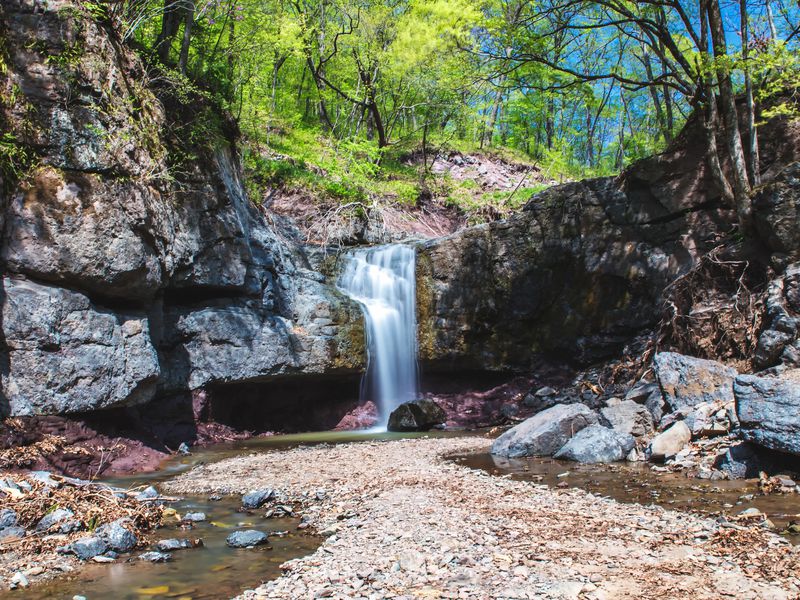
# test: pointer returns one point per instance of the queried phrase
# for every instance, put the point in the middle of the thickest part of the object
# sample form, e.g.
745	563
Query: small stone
117	536
246	539
12	532
184	449
194	517
8	518
102	558
43	477
257	498
670	442
155	557
148	493
19	580
54	518
172	544
88	547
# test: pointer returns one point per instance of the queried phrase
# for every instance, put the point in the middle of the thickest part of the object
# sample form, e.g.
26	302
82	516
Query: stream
212	571
638	483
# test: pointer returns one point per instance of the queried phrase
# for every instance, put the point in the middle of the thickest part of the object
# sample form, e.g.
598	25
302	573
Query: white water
382	280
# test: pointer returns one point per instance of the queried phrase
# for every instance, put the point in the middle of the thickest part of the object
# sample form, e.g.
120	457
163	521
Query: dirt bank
405	523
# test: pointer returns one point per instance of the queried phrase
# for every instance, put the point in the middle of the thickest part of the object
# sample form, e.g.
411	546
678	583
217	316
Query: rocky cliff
582	270
134	265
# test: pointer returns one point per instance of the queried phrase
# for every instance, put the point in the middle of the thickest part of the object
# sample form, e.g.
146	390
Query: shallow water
637	483
214	570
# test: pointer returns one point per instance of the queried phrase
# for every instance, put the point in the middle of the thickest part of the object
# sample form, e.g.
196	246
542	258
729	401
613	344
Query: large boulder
776	211
417	415
670	441
769	411
629	417
597	444
687	381
544	433
66	354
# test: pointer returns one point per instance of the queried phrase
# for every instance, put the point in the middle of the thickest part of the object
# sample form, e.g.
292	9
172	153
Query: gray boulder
88	547
769	411
687	381
770	347
246	539
8	518
68	355
417	415
194	517
117	536
742	461
629	417
597	444
7	533
172	544
256	498
544	433
671	441
155	557
56	517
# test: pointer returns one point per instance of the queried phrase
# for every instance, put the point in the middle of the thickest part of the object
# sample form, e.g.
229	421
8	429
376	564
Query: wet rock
8	518
155	557
629	417
194	517
8	533
768	409
87	547
670	442
771	344
544	433
172	544
183	449
117	536
597	444
246	539
56	517
148	493
687	381
257	498
417	415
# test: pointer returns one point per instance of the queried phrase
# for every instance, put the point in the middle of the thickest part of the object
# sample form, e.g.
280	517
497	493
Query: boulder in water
597	444
769	411
544	433
417	415
246	539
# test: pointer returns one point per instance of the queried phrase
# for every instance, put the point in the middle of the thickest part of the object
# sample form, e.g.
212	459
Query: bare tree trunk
662	122
188	22
753	169
741	183
710	118
488	132
170	23
771	21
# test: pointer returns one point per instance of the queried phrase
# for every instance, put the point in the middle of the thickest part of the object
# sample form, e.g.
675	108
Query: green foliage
16	159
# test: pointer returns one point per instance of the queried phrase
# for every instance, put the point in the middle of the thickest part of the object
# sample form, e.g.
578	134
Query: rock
544	433
771	344
194	517
768	409
775	211
545	391
9	533
8	518
597	444
741	461
87	547
117	536
641	392
541	402
148	493
656	405
246	539
670	442
44	477
707	419
155	557
172	544
56	517
417	415
183	449
257	498
629	417
687	381
19	580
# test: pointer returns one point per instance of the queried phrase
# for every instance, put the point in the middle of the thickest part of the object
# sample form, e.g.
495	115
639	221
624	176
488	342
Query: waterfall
382	281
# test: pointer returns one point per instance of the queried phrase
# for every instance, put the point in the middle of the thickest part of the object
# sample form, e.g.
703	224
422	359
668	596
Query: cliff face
134	266
583	268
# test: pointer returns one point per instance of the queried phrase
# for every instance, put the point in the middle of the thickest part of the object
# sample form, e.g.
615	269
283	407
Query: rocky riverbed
401	521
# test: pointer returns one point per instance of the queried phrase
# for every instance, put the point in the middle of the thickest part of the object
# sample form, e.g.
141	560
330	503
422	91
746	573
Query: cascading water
382	280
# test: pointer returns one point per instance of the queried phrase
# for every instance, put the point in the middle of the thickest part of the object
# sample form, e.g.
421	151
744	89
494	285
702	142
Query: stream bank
402	521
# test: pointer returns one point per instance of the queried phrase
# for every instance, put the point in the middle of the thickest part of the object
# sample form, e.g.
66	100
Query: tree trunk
710	118
188	22
753	170
488	132
741	183
666	131
170	23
